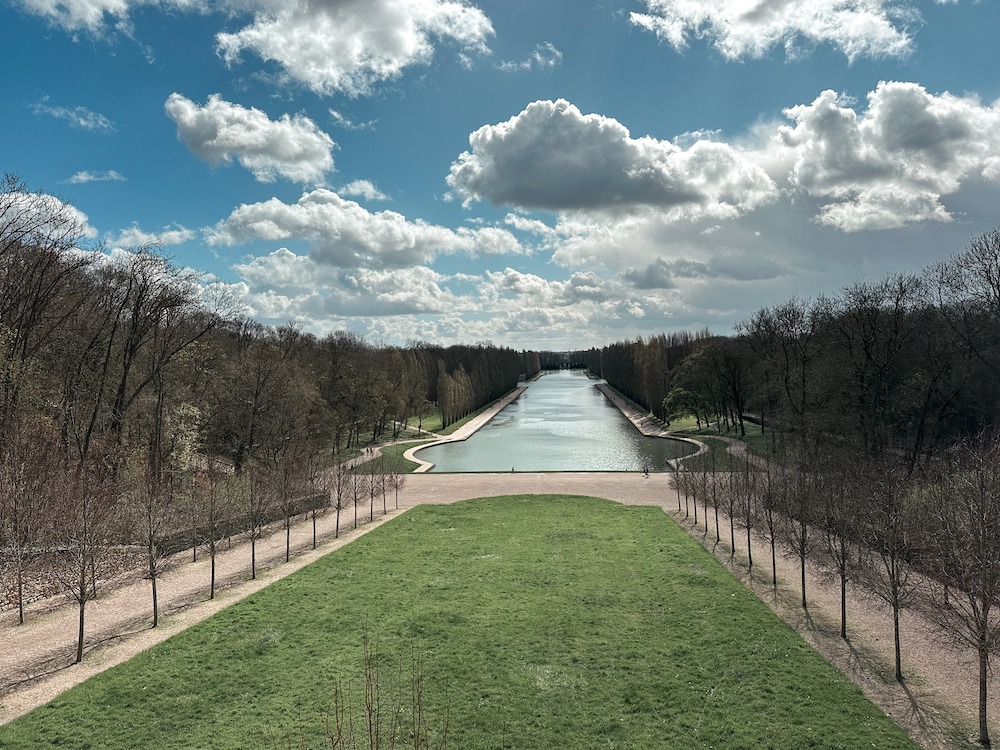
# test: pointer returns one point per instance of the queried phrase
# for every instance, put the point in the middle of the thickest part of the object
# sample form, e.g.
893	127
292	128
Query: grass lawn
432	421
394	460
541	622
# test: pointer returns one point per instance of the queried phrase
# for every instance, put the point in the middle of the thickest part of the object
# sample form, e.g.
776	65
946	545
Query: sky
540	174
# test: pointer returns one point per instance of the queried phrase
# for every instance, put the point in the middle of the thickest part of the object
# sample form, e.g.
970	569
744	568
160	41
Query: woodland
142	412
871	418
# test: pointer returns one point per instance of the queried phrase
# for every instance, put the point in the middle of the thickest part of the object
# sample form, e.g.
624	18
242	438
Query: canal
561	423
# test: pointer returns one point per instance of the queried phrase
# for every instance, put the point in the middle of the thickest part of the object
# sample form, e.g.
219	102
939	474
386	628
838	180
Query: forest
872	421
142	413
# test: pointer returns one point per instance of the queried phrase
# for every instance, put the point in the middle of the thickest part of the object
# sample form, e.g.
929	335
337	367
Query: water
561	423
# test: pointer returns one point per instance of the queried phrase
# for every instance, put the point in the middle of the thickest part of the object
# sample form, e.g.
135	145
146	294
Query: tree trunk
802	559
156	606
20	589
79	639
774	563
984	665
895	629
253	555
843	605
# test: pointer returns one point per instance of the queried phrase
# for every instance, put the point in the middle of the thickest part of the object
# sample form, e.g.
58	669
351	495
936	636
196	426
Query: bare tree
396	481
839	510
767	502
337	481
256	498
29	459
153	502
963	536
359	488
889	533
85	528
798	515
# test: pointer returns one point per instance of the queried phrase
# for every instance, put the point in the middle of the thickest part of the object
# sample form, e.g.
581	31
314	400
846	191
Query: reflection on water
561	423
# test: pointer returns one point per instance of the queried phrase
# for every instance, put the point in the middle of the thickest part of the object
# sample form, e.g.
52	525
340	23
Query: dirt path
940	694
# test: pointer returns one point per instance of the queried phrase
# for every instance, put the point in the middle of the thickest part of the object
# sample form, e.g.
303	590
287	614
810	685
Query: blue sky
538	174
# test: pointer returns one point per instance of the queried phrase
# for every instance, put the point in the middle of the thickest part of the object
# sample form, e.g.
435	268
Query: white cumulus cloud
348	46
343	234
553	157
169	235
283	285
739	29
891	164
363	189
292	147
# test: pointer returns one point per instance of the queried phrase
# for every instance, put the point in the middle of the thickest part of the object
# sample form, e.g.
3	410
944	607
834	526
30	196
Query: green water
561	423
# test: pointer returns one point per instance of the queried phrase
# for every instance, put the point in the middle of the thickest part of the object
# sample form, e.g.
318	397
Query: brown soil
937	704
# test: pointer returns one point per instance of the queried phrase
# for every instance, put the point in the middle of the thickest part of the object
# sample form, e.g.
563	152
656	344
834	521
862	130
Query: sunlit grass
550	621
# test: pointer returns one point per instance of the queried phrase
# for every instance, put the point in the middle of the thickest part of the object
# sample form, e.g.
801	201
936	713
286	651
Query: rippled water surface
561	423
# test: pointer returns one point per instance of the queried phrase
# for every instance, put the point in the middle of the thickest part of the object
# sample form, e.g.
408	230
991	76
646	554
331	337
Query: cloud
662	274
343	121
284	285
77	117
544	56
291	147
363	189
739	30
78	14
343	234
169	235
553	157
41	218
534	226
529	289
86	176
348	46
890	165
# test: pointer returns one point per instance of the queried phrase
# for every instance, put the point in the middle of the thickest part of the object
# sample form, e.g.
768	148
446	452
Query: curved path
647	426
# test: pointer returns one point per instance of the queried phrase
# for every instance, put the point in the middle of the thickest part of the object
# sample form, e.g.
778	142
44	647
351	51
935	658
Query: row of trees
879	413
907	540
140	411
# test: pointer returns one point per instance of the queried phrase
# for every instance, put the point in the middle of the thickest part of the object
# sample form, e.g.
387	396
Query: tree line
142	413
875	423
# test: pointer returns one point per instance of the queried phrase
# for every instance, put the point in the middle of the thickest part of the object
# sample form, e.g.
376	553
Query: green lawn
432	421
394	460
541	622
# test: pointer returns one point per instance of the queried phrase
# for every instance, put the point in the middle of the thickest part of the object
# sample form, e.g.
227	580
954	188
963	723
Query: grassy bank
393	462
548	621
